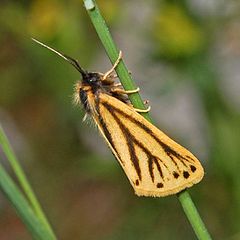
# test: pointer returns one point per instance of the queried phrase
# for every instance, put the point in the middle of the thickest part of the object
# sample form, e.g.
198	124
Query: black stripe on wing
132	142
105	129
151	159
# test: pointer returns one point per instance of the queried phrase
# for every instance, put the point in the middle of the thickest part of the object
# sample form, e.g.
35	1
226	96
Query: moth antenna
72	61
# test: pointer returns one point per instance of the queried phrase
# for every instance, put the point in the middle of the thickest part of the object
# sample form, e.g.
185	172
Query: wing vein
168	150
130	139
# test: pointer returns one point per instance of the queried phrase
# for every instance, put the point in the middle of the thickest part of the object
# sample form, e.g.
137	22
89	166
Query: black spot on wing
160	185
137	182
175	174
186	174
193	169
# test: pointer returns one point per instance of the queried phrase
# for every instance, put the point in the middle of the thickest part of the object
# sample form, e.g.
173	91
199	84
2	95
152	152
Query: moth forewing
154	164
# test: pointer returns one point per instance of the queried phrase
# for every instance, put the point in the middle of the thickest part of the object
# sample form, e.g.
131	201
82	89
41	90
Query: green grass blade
23	209
113	52
7	149
193	215
127	82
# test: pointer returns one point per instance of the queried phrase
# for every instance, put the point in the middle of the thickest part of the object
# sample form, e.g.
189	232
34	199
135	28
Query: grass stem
128	84
7	149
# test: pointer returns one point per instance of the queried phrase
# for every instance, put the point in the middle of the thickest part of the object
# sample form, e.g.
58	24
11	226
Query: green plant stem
113	53
34	225
23	180
193	215
128	84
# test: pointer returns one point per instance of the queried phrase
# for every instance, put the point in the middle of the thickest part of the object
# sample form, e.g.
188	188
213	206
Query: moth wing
154	164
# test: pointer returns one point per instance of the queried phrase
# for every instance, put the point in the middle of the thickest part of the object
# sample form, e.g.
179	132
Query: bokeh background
184	55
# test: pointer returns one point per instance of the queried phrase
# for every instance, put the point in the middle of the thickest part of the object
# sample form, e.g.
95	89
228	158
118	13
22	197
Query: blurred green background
185	57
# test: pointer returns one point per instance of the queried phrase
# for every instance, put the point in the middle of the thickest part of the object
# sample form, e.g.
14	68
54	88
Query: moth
154	163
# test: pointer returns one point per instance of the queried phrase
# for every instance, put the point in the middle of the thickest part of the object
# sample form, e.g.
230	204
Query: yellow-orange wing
154	164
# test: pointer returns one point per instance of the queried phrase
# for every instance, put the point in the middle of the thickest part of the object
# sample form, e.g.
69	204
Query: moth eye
94	79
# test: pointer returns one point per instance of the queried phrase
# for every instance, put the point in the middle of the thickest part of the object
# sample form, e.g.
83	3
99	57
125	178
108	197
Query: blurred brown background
185	57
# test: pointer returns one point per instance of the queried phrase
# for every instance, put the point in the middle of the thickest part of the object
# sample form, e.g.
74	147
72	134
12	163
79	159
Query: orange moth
154	163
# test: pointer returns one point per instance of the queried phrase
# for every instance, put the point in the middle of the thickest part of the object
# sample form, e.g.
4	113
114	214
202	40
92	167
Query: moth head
92	79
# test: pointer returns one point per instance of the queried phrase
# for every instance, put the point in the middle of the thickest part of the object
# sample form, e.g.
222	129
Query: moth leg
108	79
132	91
143	110
117	84
114	76
108	73
122	91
